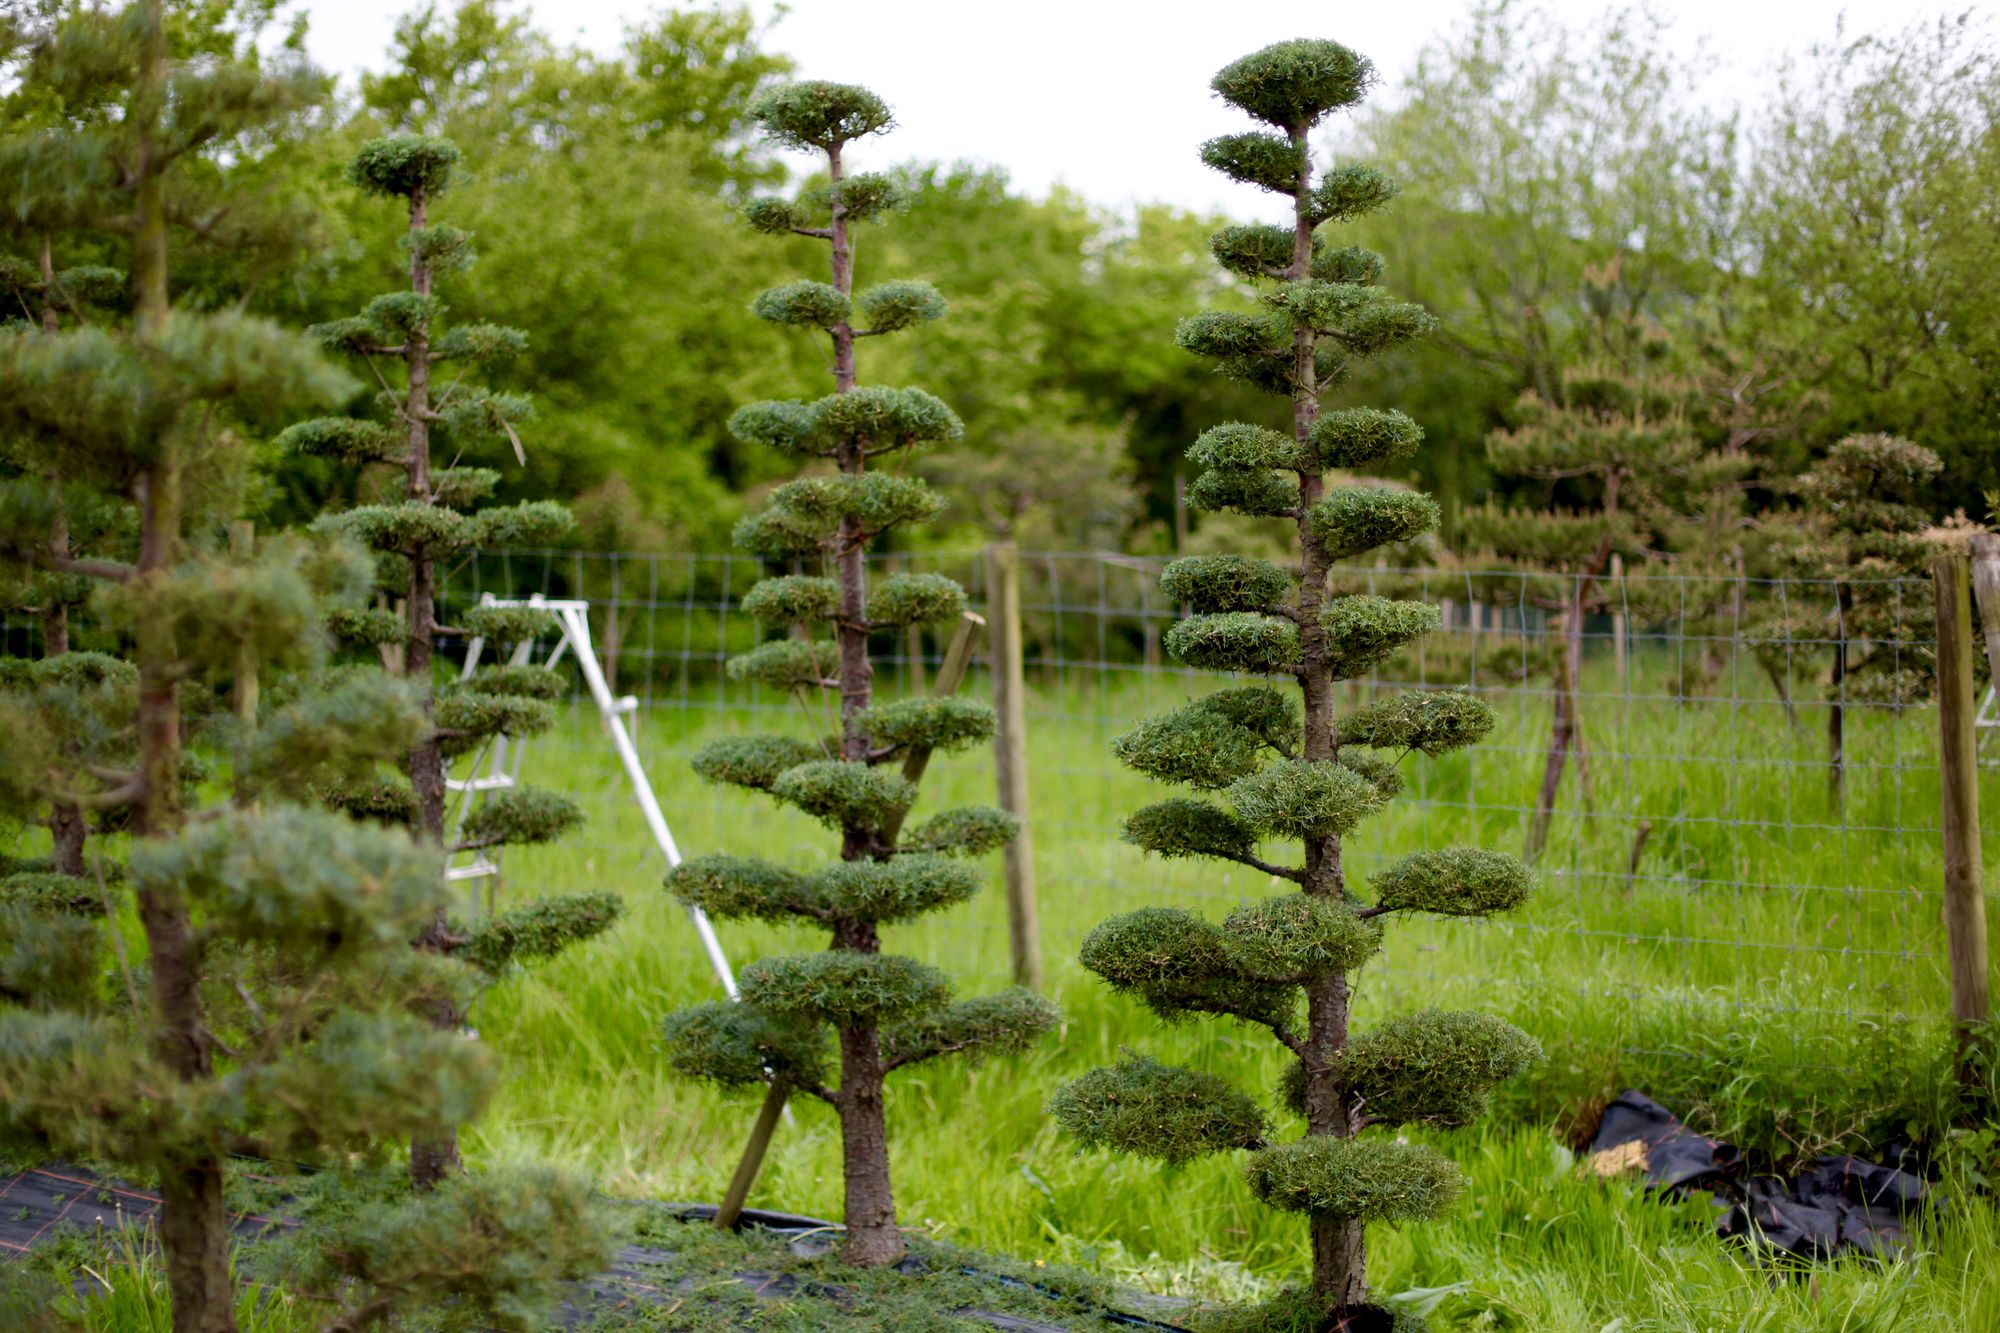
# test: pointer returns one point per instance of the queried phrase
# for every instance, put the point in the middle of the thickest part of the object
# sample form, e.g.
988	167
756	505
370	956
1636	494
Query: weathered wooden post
1003	591
1958	771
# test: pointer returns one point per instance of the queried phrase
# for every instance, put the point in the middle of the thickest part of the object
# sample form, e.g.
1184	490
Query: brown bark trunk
1563	727
873	1239
1339	1252
432	1160
194	1231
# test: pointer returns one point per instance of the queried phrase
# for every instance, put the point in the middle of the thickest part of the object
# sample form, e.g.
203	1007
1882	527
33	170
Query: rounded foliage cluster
792	599
403	164
1235	641
1303	798
814	113
843	987
1432	721
1297	935
1171	1114
916	599
937	724
1363	1179
971	830
1436	1066
1295	84
1456	881
845	795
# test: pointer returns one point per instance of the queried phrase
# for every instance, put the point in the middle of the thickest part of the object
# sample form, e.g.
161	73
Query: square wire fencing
1734	785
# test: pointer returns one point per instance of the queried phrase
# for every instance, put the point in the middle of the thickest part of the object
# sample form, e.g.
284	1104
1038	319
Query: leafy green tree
435	517
1611	453
1308	775
886	1012
1877	273
1534	153
266	1006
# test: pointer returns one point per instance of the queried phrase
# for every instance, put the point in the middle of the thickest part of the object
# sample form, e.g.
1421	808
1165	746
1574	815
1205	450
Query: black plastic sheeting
1837	1205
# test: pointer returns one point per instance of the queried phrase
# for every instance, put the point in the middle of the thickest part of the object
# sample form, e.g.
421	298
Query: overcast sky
1109	97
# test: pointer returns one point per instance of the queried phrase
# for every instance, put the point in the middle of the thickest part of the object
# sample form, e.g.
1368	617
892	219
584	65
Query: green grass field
1773	971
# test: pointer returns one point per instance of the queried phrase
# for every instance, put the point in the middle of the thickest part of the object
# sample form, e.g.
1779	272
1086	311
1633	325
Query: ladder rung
479	869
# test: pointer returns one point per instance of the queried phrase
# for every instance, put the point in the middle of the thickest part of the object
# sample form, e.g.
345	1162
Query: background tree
1310	777
1858	557
1872	186
1611	452
1534	154
887	1012
274	1016
435	518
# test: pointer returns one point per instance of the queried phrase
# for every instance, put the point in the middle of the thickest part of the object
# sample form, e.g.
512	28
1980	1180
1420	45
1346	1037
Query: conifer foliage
433	514
1265	769
267	1001
882	1012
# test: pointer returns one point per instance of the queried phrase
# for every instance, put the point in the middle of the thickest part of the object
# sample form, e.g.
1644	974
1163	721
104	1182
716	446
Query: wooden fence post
1003	607
1958	770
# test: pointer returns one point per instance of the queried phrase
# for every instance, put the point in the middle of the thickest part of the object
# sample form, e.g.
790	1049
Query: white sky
1110	97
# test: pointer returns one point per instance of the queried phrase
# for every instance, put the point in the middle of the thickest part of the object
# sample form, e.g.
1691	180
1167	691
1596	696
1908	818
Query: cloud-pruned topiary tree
1303	776
436	517
885	1012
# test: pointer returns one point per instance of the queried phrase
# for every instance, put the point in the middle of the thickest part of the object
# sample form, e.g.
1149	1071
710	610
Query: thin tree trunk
1339	1251
67	830
431	1159
193	1229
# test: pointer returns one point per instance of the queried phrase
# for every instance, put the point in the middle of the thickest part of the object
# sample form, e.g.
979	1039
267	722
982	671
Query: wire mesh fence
1744	829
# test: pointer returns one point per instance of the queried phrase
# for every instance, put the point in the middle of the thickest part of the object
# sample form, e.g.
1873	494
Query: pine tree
1619	443
1304	775
886	1012
435	518
1848	553
266	1006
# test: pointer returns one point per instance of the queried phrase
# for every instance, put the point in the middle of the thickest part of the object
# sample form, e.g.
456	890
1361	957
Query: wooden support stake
753	1156
1958	769
1003	593
951	674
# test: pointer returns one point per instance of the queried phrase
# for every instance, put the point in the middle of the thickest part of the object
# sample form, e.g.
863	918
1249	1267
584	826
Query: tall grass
1774	971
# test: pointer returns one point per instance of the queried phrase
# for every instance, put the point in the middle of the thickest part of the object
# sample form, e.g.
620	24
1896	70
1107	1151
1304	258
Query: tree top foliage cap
1295	84
816	114
402	164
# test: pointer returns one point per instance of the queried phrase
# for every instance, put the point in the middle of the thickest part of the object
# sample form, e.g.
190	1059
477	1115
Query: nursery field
1770	968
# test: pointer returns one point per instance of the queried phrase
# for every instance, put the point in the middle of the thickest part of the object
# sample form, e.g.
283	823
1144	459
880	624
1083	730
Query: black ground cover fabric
1836	1205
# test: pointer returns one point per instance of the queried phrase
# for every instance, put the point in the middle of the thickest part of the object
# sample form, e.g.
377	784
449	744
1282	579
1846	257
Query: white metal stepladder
503	761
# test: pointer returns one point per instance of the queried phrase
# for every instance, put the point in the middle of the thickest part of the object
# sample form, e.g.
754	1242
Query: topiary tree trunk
437	518
882	1012
1299	773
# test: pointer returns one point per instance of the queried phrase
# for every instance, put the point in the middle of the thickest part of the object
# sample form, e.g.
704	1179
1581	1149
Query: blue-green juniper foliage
1265	766
835	1024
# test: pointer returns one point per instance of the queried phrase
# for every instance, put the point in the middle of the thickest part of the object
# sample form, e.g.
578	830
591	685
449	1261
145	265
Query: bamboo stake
1003	591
